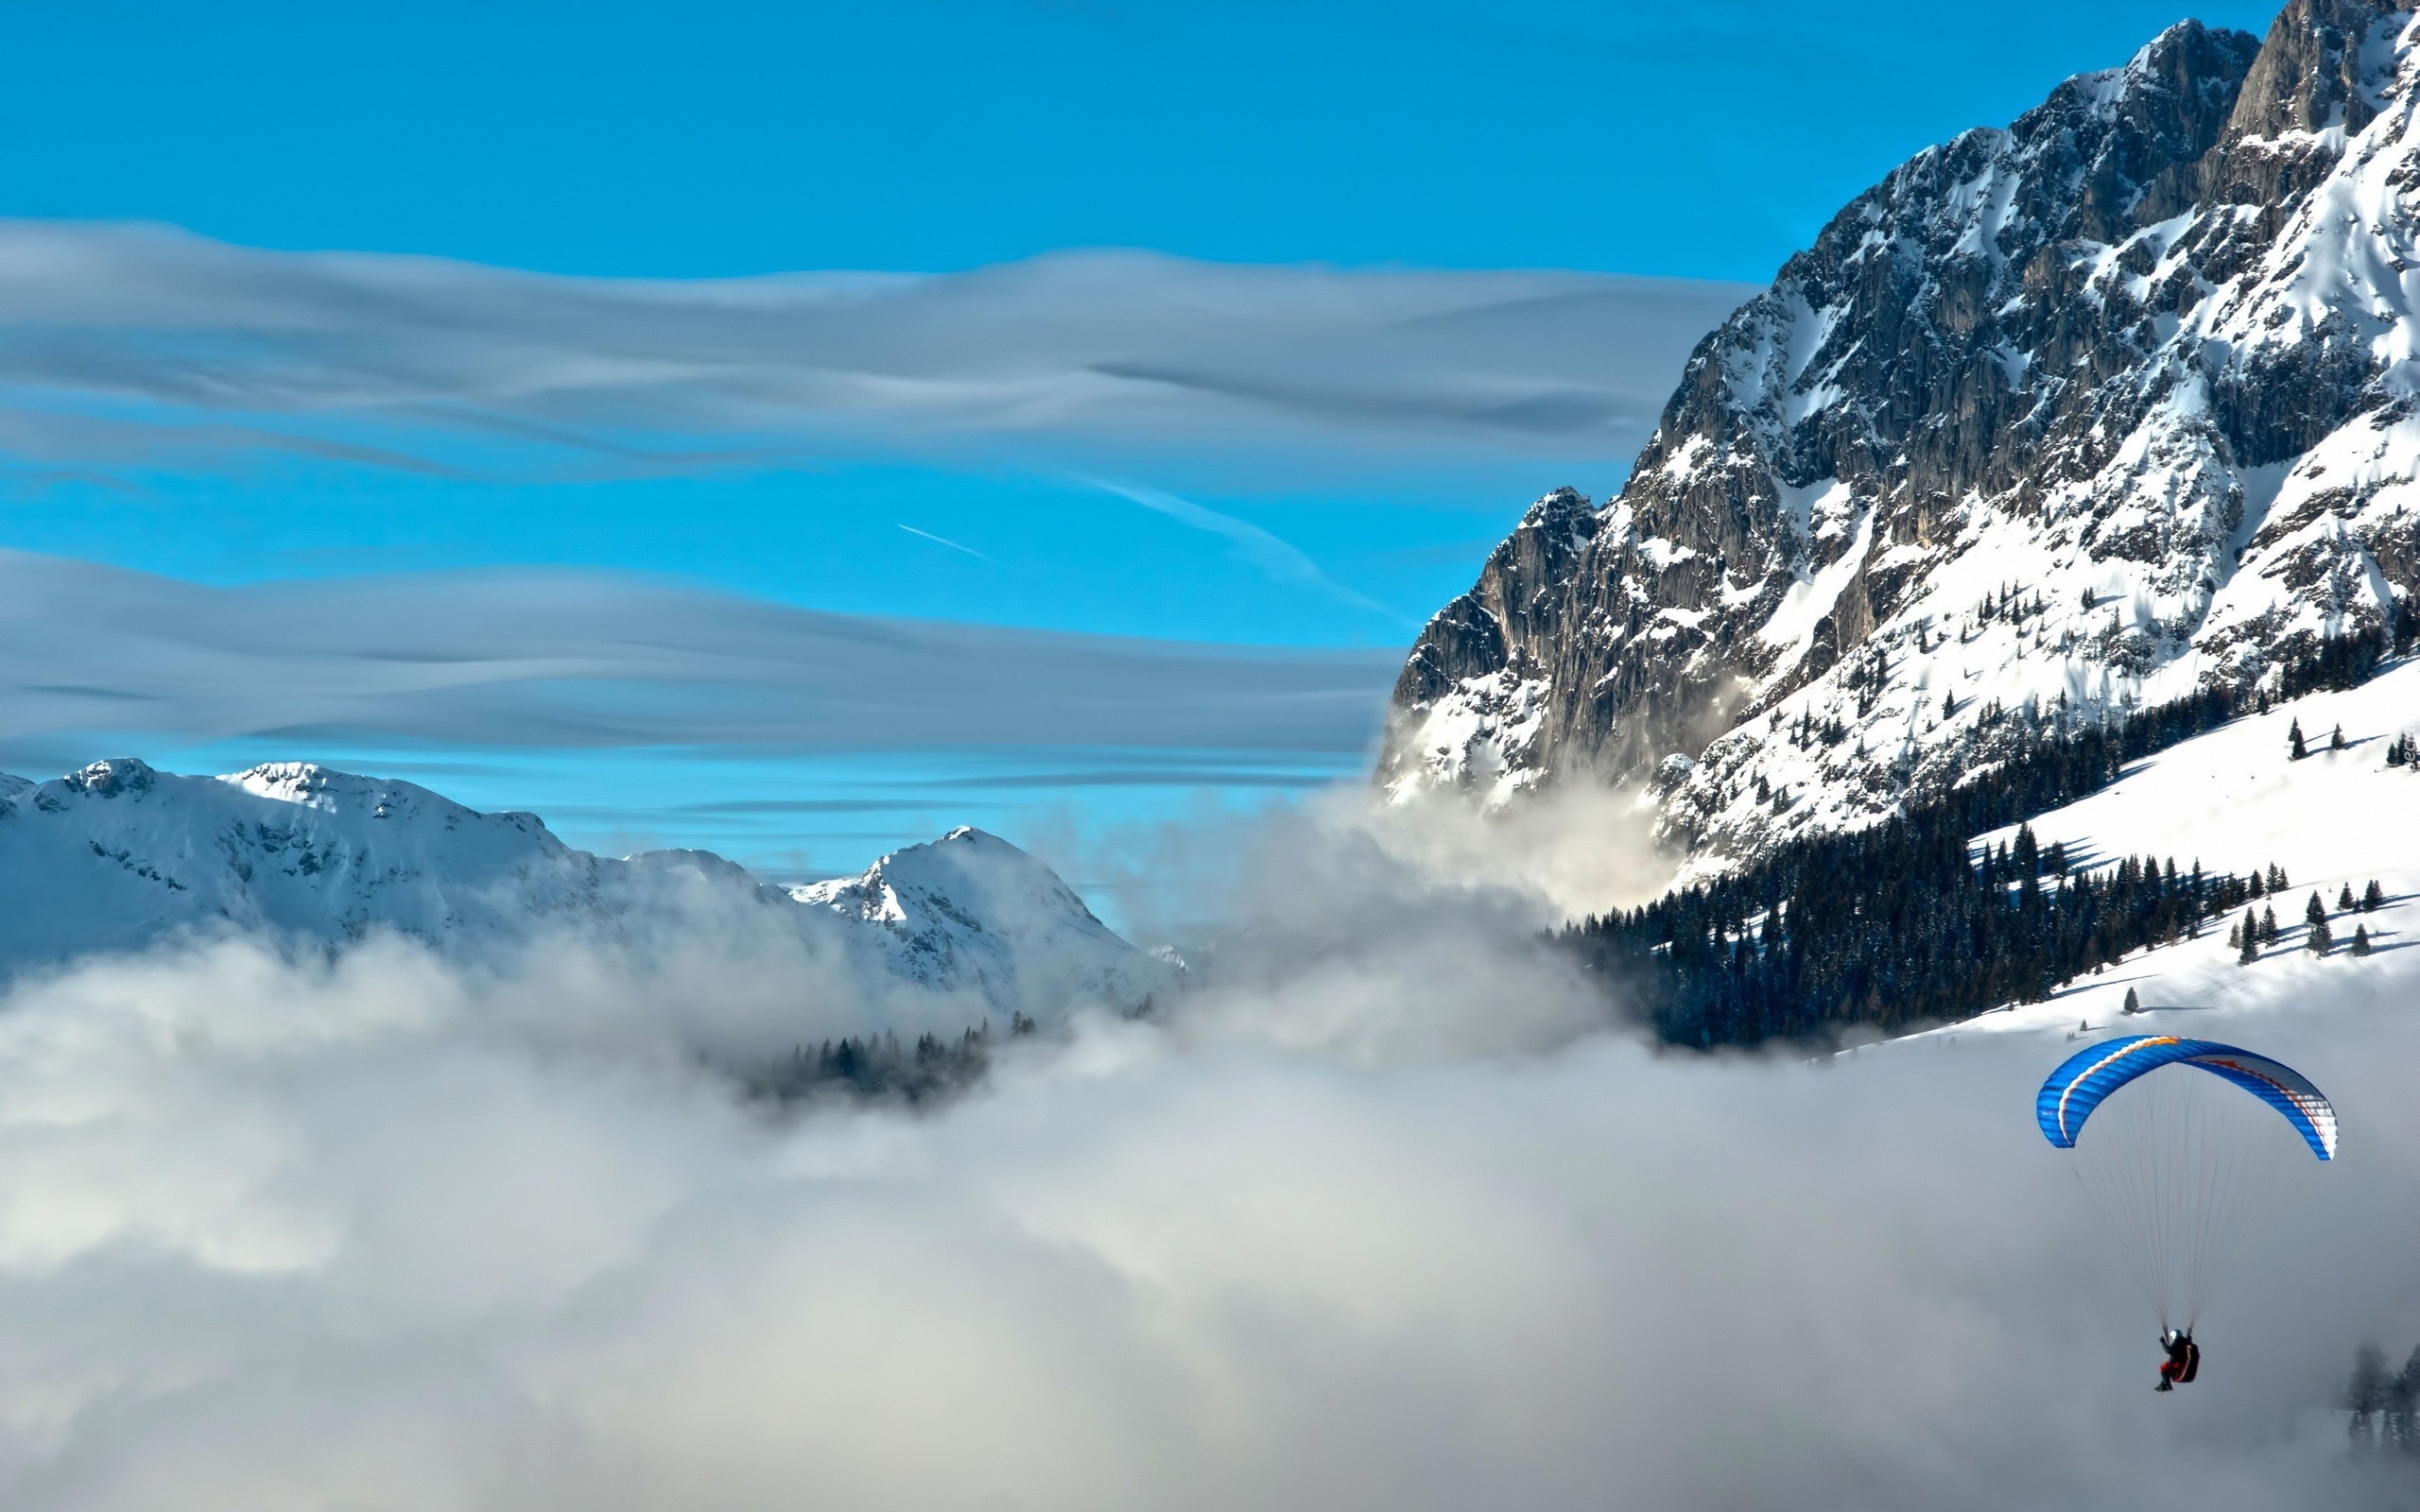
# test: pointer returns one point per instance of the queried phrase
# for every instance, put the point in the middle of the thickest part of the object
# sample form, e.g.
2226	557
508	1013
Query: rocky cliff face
2068	417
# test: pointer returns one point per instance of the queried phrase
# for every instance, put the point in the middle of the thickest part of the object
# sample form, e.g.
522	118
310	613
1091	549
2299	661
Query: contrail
944	540
1278	559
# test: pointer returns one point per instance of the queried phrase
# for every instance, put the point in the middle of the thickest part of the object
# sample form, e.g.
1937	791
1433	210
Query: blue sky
1390	271
740	136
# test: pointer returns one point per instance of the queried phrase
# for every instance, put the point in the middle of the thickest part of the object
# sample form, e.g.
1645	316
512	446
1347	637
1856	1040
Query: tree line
1906	923
2385	1404
882	1068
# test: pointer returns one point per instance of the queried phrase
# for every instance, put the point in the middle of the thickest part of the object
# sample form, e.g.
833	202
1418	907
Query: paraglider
2182	1162
2183	1360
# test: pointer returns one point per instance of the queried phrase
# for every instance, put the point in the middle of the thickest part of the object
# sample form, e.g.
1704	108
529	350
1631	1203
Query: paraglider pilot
2183	1360
2087	1078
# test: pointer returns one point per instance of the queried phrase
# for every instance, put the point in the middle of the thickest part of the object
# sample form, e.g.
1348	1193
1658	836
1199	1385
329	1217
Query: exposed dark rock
2053	421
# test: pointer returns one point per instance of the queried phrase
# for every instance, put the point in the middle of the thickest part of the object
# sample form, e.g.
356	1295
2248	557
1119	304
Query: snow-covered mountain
119	857
2083	414
970	911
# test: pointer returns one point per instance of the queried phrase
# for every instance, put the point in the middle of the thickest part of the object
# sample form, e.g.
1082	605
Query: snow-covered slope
118	857
2110	406
970	911
2234	801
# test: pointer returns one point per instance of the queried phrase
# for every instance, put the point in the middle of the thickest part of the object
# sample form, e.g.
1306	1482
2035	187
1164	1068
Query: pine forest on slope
2154	842
1909	921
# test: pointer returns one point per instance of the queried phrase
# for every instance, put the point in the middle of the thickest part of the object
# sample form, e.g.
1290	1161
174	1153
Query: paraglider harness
2183	1360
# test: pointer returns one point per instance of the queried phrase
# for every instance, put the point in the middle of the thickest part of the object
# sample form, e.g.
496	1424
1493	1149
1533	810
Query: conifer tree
2336	738
2365	1395
2344	898
2402	1395
2294	742
2133	1004
1905	922
2372	897
2360	939
2314	912
2235	935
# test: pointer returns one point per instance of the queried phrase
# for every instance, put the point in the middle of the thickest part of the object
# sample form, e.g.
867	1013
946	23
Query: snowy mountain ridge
118	857
2057	421
971	909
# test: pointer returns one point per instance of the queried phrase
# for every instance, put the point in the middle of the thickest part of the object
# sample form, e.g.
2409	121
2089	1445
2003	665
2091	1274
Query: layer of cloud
374	1234
1343	921
137	344
1386	1213
566	660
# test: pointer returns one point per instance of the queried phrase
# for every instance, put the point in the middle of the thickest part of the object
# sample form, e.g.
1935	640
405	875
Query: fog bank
380	1234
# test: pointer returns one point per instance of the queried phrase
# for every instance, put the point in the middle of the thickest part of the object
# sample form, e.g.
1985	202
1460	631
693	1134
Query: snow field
2234	801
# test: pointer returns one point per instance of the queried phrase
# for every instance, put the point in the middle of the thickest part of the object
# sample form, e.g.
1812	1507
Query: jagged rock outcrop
2072	415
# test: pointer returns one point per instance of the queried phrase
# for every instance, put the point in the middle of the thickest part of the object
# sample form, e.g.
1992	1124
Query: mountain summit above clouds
971	911
119	857
2088	413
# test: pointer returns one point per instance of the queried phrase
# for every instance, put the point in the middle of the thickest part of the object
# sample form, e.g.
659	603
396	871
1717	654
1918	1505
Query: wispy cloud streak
144	345
585	660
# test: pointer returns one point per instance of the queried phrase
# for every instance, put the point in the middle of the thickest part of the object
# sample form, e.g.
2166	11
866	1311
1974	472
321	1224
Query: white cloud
566	659
373	1235
1382	1218
143	344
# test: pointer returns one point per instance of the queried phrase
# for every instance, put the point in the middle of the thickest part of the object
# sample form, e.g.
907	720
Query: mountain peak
2090	413
972	910
2320	68
112	777
295	851
2187	58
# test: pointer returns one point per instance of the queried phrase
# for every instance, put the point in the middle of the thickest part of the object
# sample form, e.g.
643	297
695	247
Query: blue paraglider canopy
2087	1077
